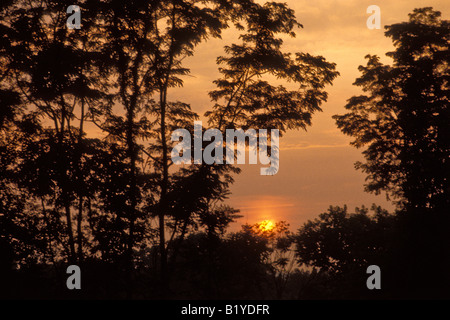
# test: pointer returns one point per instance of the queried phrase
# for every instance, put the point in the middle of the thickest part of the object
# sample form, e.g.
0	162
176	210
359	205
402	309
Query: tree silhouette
147	42
338	239
342	245
48	79
402	121
244	100
403	118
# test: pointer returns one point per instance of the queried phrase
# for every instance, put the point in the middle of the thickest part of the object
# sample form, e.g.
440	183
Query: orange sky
316	167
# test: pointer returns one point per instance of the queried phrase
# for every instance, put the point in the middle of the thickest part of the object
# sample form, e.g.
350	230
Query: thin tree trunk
133	189
79	231
162	236
81	179
64	182
72	258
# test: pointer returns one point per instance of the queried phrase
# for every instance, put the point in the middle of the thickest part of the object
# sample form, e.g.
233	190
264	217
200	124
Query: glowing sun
266	225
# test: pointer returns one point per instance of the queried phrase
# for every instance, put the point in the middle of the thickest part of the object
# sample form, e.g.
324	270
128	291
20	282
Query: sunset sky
317	166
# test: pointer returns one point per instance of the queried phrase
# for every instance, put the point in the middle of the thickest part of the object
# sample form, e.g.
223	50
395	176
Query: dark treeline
111	201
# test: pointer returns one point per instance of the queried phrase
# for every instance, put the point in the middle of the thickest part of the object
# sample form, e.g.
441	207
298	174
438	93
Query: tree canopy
402	119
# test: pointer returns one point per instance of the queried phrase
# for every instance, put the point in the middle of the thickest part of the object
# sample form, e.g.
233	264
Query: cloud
303	146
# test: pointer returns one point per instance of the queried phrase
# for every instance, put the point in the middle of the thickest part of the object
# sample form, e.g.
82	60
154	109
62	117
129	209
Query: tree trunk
163	205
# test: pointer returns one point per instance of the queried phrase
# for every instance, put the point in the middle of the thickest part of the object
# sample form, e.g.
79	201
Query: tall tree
245	97
147	42
402	120
50	69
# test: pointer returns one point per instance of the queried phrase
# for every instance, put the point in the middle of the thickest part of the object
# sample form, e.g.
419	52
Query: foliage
402	120
338	240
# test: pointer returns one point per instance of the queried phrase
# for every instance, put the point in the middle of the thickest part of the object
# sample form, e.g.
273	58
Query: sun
266	226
